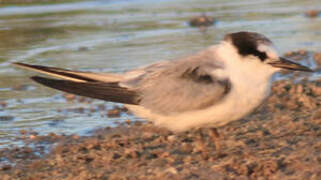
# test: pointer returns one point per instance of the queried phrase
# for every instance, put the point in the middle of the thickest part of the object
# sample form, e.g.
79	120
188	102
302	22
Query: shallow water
116	36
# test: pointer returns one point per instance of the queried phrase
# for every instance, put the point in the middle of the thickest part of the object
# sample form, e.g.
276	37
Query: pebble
6	167
83	48
128	121
23	132
33	136
6	118
202	21
317	58
3	104
171	170
113	113
171	138
69	97
312	13
317	115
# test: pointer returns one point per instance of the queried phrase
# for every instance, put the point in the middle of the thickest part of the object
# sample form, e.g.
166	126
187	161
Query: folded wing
184	85
99	90
169	87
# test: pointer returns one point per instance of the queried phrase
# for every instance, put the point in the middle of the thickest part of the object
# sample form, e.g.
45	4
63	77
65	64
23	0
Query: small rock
302	52
128	121
69	97
317	58
51	134
116	156
23	132
165	154
317	115
6	118
75	137
171	170
123	109
83	48
202	21
34	133
187	159
32	136
147	135
6	167
187	148
312	13
171	138
3	104
113	113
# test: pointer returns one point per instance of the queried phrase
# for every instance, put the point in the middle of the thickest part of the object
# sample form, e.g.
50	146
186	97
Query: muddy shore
280	140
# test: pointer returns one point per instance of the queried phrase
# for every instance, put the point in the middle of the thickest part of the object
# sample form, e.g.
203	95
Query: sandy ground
280	140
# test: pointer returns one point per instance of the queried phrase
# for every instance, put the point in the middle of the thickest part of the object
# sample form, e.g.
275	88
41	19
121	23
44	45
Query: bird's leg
203	147
216	138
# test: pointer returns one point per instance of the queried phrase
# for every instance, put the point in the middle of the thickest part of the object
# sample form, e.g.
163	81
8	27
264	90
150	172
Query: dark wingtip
19	64
48	81
44	81
98	90
38	79
24	65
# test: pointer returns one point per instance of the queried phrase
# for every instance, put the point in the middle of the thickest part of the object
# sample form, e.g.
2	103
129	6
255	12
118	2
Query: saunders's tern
220	84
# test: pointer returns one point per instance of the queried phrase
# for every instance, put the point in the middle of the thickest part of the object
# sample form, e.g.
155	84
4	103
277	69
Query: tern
209	89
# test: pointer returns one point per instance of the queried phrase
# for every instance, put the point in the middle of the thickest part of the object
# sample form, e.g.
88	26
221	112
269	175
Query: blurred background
115	36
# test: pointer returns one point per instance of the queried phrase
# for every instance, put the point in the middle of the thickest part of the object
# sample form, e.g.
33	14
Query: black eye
261	55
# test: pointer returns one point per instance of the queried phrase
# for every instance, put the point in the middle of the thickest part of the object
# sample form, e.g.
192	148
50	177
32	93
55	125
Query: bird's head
253	46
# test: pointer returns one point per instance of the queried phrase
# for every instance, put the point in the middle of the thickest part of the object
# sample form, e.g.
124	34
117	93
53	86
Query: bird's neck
244	74
236	65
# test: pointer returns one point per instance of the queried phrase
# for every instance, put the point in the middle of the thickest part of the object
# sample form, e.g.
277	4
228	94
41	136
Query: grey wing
184	85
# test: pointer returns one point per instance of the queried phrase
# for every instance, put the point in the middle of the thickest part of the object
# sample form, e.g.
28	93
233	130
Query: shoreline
281	139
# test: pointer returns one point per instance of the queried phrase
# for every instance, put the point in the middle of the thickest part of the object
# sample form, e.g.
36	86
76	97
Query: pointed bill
287	64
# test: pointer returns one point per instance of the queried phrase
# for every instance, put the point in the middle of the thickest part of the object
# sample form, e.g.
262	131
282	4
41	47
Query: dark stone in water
202	21
6	118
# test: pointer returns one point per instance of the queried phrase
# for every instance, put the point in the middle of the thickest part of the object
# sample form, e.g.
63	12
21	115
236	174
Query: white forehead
269	49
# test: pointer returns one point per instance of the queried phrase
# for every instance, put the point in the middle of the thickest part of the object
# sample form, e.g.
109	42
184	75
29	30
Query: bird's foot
215	136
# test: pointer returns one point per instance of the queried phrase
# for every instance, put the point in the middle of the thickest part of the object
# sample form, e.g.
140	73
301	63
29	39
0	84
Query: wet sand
280	140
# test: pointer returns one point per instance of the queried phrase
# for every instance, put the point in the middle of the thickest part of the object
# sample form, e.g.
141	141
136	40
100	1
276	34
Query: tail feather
98	90
76	76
